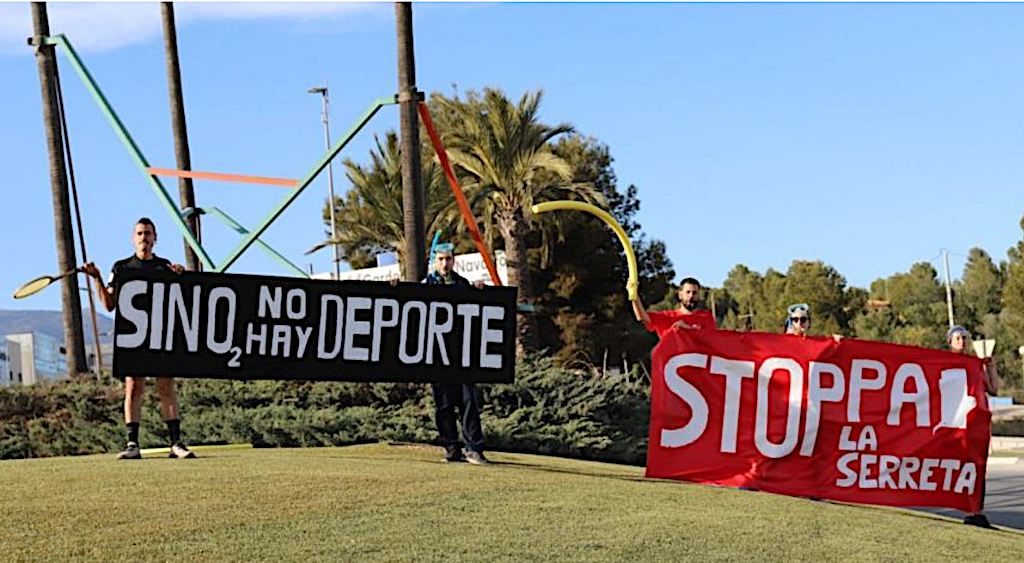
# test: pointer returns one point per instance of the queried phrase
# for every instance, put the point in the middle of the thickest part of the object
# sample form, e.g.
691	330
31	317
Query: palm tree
63	230
505	154
181	151
414	192
370	218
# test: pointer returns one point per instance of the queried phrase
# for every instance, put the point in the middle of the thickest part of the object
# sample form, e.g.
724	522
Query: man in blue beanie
451	396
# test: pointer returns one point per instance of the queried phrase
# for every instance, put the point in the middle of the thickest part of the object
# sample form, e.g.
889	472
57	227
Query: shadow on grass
948	519
507	464
580	472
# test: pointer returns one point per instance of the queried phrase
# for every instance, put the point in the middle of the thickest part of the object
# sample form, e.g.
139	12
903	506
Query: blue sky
868	136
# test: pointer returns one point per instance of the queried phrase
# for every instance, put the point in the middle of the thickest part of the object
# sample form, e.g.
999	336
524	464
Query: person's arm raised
638	307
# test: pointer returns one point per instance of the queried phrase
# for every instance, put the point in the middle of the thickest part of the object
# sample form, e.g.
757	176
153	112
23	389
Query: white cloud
15	27
102	26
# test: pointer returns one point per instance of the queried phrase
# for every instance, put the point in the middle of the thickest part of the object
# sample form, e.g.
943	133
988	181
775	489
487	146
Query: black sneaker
131	451
178	450
476	458
978	520
453	454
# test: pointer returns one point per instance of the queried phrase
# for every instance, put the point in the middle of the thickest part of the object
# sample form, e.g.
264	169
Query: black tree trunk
414	257
185	193
514	228
74	341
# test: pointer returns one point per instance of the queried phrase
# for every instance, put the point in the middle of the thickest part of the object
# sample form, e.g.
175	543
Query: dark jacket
433	278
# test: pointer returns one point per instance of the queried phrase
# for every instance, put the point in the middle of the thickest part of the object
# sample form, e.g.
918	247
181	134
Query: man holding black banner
143	239
449	396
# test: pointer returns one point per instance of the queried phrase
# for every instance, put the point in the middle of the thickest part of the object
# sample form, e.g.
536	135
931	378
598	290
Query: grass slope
399	503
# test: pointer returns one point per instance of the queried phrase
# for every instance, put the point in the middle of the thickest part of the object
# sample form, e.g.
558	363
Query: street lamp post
1021	352
322	90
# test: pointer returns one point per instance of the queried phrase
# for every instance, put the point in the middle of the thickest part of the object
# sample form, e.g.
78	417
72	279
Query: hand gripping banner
851	421
253	327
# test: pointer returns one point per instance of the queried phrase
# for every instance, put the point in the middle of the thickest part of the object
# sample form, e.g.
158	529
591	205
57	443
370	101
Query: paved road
1007	412
1004	498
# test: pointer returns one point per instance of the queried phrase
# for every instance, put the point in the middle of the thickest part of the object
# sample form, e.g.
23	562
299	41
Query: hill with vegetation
50	323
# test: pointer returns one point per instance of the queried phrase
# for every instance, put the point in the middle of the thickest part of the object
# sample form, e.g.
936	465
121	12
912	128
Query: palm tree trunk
415	255
74	340
185	193
513	230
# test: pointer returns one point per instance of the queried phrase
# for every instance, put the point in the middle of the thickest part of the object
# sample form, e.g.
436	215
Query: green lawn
400	503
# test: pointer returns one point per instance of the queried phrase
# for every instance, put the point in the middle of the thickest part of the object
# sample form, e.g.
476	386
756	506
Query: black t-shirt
134	262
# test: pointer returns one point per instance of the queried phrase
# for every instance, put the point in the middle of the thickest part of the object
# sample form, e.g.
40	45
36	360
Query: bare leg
169	410
168	397
134	391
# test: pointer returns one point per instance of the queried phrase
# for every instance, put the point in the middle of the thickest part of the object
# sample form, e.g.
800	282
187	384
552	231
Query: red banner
851	421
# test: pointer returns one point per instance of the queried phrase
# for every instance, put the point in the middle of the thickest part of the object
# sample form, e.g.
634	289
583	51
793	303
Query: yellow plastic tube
634	276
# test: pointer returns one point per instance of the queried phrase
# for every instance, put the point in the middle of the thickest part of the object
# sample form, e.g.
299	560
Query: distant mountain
51	324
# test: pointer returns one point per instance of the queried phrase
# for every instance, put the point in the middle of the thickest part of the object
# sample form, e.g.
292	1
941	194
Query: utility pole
415	253
74	341
325	95
1021	352
949	287
186	195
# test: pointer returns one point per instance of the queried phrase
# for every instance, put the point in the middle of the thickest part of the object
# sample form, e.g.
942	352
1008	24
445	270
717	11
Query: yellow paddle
634	276
39	284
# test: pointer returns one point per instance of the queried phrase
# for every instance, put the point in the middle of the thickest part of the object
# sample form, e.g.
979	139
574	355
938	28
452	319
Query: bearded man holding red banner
687	316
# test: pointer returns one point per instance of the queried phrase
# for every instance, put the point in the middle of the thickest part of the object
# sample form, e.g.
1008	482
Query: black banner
230	326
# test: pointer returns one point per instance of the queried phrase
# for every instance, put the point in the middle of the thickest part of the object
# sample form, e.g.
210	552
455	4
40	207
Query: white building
5	366
13	374
107	351
38	358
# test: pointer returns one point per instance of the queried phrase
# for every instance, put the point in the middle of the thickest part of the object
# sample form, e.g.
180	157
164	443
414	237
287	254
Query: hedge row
550	409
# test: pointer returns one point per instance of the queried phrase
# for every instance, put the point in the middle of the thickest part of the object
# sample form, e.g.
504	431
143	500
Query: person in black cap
449	397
